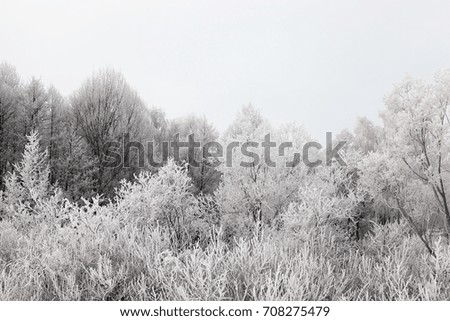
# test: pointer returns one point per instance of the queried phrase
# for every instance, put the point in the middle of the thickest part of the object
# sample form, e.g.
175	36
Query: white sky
320	63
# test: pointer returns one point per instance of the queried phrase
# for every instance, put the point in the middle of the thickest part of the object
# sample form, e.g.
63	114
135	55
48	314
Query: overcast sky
320	63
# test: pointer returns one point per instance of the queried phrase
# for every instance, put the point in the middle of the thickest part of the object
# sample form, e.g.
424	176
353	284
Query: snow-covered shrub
163	199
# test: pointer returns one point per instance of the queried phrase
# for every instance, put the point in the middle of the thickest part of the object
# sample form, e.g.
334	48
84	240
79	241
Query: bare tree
105	108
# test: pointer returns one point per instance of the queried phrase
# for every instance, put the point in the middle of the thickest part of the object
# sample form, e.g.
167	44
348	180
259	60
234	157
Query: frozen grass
113	261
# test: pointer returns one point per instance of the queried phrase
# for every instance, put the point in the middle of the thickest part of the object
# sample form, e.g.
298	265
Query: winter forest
73	228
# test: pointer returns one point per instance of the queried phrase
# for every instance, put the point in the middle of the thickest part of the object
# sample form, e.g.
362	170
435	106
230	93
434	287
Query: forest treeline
72	228
75	130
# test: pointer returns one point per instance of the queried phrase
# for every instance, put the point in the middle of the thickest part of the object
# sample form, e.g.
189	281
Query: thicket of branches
73	229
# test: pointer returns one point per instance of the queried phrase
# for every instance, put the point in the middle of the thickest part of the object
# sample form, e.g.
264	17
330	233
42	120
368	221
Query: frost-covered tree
418	133
54	129
29	182
36	107
257	183
11	112
386	179
202	169
368	136
365	138
74	168
410	171
105	108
